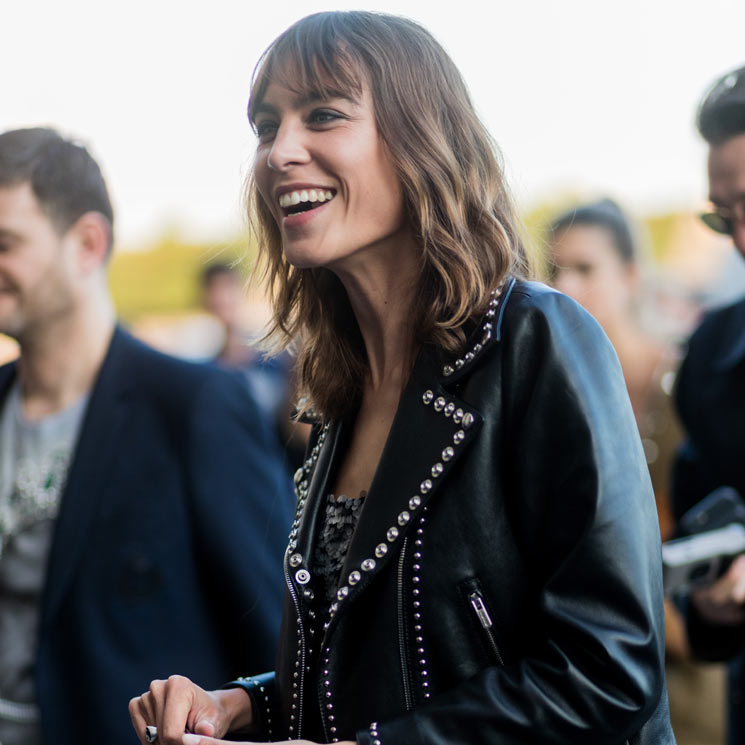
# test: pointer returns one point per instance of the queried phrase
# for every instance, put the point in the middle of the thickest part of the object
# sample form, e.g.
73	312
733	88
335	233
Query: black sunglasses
722	219
718	222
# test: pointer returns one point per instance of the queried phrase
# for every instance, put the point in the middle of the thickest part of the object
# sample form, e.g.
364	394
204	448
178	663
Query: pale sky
585	96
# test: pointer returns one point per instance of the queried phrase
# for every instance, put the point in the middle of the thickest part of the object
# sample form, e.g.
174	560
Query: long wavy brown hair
453	187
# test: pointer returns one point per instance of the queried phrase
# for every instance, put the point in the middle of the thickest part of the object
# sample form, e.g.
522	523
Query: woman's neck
382	294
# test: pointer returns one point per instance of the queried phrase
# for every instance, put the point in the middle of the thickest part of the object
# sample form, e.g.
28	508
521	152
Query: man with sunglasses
710	397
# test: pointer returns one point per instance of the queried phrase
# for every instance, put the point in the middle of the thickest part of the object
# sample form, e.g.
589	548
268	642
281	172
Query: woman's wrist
237	705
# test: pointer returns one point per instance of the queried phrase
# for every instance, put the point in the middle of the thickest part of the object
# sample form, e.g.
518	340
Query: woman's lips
301	219
312	195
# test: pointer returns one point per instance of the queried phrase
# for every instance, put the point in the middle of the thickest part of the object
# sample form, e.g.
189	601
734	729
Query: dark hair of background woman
604	213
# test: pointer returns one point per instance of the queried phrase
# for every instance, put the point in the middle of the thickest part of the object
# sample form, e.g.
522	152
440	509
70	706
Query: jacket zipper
477	603
402	629
301	634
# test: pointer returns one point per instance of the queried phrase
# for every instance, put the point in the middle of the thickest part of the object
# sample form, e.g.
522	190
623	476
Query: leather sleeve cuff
260	689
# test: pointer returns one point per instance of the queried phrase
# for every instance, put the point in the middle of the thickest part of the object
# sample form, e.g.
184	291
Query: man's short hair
217	269
721	114
65	178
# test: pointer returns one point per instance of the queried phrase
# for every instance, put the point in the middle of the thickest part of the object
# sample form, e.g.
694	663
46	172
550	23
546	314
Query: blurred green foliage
536	221
662	230
165	276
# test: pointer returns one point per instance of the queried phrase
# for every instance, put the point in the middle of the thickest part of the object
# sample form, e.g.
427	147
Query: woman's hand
197	740
722	601
177	705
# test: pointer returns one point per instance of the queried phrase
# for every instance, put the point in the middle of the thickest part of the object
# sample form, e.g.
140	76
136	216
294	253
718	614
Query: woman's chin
302	262
306	257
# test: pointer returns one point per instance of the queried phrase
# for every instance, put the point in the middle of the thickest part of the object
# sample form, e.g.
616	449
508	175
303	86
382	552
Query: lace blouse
340	520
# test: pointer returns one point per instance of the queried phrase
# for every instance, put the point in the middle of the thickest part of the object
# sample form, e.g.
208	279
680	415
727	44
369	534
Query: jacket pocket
478	609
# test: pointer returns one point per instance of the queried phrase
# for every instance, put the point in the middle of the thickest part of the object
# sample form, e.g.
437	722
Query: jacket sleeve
585	518
261	689
242	504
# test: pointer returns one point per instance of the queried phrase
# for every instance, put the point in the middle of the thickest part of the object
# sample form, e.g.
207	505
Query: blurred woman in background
593	258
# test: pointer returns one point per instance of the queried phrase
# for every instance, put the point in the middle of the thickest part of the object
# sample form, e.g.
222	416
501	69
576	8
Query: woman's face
327	177
589	269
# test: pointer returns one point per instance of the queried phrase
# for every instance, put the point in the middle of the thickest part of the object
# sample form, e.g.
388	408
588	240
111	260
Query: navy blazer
166	556
710	397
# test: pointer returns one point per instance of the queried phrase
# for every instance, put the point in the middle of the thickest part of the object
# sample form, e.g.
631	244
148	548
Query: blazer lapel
7	376
97	444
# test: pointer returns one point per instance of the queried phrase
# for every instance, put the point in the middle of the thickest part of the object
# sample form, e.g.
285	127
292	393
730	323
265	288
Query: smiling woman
391	130
474	556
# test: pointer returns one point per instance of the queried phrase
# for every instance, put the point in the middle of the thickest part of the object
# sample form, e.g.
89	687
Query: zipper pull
478	605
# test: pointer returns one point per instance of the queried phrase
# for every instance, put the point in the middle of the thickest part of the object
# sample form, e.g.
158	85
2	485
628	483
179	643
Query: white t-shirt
34	459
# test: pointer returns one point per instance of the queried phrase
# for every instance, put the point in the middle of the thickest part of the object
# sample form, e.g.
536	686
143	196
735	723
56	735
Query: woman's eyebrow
262	108
305	99
310	97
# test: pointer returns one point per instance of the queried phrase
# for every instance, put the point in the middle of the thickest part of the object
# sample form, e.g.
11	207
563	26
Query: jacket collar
431	430
732	348
489	332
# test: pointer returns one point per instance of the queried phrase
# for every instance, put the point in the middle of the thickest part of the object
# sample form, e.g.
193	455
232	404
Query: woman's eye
322	116
265	129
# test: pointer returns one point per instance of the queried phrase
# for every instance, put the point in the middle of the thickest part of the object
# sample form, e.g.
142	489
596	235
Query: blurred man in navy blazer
143	508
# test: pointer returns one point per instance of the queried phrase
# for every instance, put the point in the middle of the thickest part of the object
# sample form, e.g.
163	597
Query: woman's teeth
291	198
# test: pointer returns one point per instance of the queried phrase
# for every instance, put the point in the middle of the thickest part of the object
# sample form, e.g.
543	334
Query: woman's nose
288	149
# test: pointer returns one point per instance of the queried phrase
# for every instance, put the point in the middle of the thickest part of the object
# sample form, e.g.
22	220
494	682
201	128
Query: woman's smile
299	205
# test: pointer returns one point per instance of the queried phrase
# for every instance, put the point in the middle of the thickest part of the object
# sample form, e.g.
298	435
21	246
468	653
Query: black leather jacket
503	583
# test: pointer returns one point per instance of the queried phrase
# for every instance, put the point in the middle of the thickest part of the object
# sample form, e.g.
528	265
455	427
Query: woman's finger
737	573
202	740
137	715
177	704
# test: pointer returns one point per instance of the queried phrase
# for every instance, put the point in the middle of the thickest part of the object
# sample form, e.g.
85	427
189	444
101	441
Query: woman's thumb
205	727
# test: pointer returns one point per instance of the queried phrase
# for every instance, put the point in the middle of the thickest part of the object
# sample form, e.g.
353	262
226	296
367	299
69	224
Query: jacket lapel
97	445
311	484
731	351
430	431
